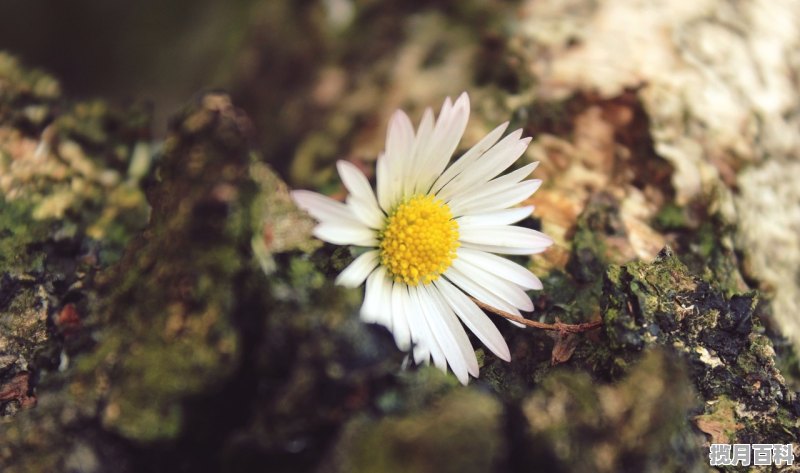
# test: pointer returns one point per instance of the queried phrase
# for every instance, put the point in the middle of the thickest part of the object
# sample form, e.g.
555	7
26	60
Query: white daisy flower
430	236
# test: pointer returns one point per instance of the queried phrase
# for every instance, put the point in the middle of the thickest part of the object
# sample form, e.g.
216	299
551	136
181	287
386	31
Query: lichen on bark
730	361
68	205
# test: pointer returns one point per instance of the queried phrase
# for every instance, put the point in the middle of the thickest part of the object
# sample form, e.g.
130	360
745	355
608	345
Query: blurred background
158	51
277	58
289	65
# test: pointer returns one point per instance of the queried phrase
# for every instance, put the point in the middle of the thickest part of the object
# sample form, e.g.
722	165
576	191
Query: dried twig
558	326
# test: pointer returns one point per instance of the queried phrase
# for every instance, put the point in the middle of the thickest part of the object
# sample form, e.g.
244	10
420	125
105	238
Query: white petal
467	175
479	292
452	337
415	319
500	217
424	132
474	318
421	355
399	145
383	183
376	297
354	180
489	189
502	250
407	142
366	213
422	149
516	176
399	139
420	335
362	198
345	234
508	291
400	302
500	200
429	149
428	339
385	311
492	163
468	158
501	162
446	134
359	269
505	236
500	267
323	208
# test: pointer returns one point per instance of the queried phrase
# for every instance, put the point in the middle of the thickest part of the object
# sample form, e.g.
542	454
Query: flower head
431	235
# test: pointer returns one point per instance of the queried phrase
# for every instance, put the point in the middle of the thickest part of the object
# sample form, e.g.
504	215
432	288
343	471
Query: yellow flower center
420	240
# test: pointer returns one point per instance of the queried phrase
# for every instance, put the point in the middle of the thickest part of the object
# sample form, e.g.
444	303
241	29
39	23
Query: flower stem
558	326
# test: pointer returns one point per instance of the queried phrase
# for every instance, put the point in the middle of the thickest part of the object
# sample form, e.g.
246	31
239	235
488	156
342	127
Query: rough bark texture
164	308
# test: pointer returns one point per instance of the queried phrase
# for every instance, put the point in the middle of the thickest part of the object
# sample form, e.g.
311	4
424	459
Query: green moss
671	217
590	253
18	231
636	424
66	210
788	363
662	303
179	338
459	433
164	420
707	249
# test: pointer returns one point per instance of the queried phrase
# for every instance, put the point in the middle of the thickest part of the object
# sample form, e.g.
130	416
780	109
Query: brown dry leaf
563	348
717	429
